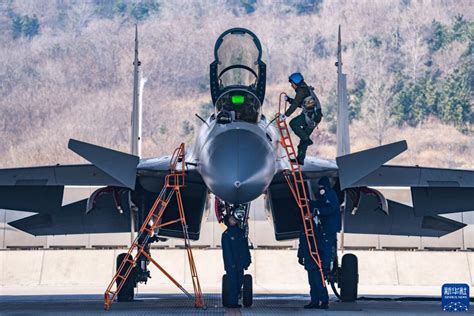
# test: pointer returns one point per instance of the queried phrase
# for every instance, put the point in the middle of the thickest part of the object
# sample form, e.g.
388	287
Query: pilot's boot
302	147
300	159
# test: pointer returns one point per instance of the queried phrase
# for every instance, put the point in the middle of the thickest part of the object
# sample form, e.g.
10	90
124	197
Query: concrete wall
261	232
90	271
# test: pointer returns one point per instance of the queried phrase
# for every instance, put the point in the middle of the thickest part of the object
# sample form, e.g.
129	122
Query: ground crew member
236	253
305	123
327	211
318	292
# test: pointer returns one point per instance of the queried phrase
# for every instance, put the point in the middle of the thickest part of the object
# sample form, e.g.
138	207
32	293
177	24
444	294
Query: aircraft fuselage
237	160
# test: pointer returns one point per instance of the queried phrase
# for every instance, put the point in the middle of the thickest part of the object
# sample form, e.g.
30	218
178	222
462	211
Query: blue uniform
326	237
329	216
318	292
236	253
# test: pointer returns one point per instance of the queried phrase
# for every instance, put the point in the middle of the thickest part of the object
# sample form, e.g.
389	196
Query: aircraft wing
107	210
434	191
40	189
58	175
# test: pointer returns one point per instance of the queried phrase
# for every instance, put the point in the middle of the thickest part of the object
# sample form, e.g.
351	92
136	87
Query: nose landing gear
246	292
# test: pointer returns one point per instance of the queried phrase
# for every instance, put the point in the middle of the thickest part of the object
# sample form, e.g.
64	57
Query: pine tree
17	26
439	36
30	26
455	105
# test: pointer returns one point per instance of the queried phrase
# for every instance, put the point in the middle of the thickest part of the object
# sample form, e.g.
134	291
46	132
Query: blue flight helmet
296	78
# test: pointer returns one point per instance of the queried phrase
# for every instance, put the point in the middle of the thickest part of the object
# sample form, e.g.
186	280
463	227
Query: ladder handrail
173	183
297	187
279	103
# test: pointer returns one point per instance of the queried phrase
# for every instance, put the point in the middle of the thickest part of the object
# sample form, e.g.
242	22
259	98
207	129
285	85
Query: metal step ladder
296	183
174	181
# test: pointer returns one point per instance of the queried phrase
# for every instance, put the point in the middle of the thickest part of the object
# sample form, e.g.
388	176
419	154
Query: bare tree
376	103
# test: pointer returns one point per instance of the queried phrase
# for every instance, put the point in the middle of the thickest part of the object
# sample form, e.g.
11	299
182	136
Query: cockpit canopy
238	60
237	64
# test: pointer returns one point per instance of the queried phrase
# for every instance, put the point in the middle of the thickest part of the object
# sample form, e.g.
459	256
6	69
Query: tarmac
174	304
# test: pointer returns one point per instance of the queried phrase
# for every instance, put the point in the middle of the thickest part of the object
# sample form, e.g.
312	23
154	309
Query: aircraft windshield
238	60
237	65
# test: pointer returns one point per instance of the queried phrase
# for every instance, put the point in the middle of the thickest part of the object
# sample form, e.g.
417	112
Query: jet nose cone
238	165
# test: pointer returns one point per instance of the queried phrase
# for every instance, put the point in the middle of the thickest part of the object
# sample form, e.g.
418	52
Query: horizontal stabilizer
72	219
439	200
31	198
118	165
441	224
354	167
401	221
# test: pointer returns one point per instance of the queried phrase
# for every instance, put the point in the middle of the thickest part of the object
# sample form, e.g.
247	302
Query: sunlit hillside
66	72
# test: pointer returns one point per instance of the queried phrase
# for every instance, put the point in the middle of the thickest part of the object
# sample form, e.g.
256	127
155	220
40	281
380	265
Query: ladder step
149	231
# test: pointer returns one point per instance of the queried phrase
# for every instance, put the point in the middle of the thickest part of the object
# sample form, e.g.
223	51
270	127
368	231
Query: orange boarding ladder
297	187
174	181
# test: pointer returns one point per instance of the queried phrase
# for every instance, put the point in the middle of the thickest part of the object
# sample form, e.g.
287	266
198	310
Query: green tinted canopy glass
238	99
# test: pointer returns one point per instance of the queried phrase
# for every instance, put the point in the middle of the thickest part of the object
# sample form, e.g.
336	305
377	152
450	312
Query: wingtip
72	142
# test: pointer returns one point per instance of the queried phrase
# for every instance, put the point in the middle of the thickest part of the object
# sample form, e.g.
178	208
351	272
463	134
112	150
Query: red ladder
174	181
297	187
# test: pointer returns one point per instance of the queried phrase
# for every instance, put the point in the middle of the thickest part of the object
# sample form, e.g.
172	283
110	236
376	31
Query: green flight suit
298	124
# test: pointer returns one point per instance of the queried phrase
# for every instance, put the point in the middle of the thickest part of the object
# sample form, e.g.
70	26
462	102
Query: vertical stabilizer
343	140
138	83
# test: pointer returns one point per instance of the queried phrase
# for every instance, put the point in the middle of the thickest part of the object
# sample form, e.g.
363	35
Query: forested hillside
66	72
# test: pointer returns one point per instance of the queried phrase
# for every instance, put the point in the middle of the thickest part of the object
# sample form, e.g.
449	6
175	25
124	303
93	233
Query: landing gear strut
240	212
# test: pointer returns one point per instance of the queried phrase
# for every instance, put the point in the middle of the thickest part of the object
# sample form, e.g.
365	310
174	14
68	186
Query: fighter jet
237	157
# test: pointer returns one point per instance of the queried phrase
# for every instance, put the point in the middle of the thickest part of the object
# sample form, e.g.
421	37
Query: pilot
236	253
305	123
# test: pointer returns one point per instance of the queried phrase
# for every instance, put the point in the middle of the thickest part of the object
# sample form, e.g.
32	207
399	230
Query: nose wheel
225	290
246	292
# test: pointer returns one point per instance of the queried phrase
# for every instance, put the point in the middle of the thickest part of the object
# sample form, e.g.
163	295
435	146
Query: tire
127	292
349	278
247	297
225	293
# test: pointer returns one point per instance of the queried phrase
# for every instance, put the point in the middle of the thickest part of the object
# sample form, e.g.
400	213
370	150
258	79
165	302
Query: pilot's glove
288	99
301	261
282	117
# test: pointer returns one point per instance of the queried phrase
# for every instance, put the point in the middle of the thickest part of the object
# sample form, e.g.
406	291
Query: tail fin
343	140
138	84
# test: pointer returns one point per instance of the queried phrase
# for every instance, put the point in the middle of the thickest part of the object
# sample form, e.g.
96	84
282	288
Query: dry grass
74	81
430	144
